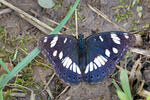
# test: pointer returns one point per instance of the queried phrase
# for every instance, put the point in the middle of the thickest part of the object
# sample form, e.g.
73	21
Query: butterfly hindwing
98	67
61	51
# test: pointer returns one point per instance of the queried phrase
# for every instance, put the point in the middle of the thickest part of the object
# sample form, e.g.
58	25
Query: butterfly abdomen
82	52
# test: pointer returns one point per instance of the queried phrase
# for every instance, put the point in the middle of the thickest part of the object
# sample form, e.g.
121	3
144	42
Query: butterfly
88	59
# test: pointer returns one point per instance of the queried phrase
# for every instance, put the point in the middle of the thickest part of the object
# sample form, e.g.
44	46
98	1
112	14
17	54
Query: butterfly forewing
61	51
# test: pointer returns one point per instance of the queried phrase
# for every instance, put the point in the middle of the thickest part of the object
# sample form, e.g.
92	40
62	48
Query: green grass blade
20	66
125	83
122	95
1	94
36	51
4	66
64	21
116	85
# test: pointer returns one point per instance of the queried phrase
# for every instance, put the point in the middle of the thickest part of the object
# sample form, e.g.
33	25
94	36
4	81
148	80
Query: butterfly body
88	59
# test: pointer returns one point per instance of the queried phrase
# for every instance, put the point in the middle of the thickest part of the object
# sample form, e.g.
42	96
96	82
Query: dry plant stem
26	15
144	93
76	20
5	11
141	51
105	17
68	98
63	92
49	93
36	25
47	19
49	81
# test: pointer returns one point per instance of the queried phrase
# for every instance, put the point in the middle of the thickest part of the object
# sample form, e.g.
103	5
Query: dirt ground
23	36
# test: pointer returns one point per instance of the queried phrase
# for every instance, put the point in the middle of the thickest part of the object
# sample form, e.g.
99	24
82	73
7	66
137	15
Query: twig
49	93
26	15
49	81
35	24
47	19
106	17
5	11
68	98
63	92
141	51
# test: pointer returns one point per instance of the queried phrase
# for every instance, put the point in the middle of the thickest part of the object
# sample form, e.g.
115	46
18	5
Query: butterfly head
80	36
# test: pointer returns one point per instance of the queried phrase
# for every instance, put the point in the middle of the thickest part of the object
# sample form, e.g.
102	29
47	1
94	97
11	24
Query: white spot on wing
74	67
87	69
78	70
101	60
126	35
55	53
115	38
104	58
65	40
65	61
101	38
97	62
54	41
70	67
107	52
95	67
115	50
45	39
60	55
91	66
69	63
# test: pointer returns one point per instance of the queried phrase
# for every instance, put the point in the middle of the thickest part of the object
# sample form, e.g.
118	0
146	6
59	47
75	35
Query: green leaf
46	3
116	85
139	8
121	95
125	84
133	3
148	98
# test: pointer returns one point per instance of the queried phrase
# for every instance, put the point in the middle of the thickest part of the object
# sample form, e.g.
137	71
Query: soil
91	23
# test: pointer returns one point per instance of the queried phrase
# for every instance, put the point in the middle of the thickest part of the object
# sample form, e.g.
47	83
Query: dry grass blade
105	17
49	81
5	11
47	19
42	29
141	51
136	71
63	92
49	93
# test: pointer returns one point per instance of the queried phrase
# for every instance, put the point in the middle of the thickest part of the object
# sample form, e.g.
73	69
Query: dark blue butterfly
91	59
